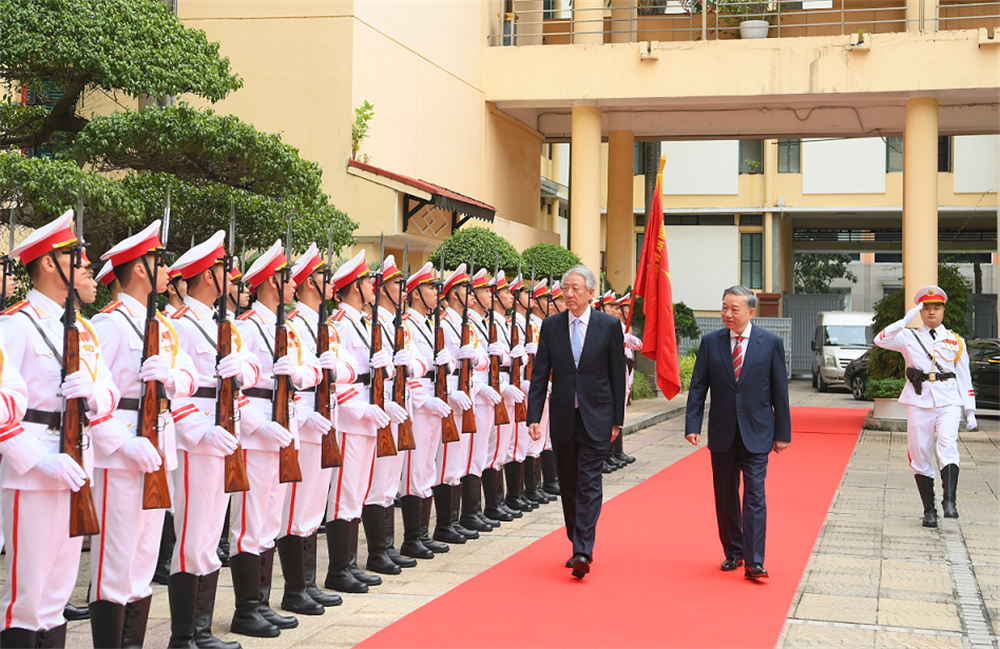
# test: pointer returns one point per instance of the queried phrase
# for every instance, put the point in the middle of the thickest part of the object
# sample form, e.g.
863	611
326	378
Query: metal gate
780	326
802	308
983	315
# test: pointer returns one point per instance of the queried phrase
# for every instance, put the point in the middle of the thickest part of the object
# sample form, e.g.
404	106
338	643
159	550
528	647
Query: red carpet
655	581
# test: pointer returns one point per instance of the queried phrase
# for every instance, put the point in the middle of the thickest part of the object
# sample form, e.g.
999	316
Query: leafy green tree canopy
486	244
815	271
548	259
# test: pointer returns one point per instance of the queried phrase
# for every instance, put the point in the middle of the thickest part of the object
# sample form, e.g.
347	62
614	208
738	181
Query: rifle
288	458
153	400
449	431
8	262
227	390
330	456
385	445
500	416
520	409
405	441
528	333
82	513
465	372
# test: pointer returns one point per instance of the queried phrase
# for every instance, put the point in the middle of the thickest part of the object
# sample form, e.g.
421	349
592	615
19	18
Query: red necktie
738	357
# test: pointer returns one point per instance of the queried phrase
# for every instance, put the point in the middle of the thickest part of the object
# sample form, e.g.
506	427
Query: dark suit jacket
599	380
759	403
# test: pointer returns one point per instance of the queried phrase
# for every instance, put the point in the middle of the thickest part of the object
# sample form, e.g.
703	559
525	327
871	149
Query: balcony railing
561	22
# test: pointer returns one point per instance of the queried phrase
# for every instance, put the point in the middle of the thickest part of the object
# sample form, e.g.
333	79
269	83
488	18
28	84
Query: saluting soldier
42	560
124	554
939	387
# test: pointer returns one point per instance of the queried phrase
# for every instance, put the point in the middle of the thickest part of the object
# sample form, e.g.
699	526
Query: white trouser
123	556
41	558
452	459
349	483
479	445
921	424
419	464
256	514
501	441
519	444
200	501
305	501
543	443
385	475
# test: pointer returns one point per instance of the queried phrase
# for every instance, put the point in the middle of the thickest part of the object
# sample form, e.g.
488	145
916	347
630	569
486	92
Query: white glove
467	352
63	468
377	416
78	385
276	433
444	357
285	366
491	395
517	351
381	358
437	407
912	313
230	366
142	453
495	349
402	358
157	368
219	438
525	387
460	400
328	361
632	342
318	422
531	348
970	420
396	412
513	393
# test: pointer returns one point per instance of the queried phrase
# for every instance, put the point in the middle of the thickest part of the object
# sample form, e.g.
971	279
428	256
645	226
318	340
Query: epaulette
292	313
366	316
14	308
245	315
338	316
406	316
179	313
111	307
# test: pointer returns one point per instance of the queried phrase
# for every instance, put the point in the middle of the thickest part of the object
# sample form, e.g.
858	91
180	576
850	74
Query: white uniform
42	560
485	416
418	465
123	555
520	440
14	397
501	440
938	409
543	443
452	460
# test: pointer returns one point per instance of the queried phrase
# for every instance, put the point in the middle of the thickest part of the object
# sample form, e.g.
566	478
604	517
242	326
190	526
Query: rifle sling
44	337
213	343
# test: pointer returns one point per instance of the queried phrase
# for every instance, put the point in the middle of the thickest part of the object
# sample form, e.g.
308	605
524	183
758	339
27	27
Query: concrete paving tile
835	608
812	637
895	640
923	615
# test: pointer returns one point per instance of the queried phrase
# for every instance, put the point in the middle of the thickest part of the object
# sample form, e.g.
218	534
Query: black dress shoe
731	564
73	613
608	467
627	459
580	565
755	571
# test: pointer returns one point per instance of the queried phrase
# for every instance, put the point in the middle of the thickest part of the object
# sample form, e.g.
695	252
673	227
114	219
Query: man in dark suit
744	367
583	352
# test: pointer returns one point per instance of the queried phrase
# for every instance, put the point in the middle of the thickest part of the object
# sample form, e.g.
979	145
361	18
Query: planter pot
754	29
889	409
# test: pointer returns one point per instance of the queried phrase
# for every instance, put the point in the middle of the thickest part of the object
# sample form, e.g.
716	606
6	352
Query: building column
622	21
921	16
585	186
920	196
621	223
786	233
588	22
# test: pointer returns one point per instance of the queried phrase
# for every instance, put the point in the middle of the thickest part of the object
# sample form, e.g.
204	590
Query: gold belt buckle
164	405
932	376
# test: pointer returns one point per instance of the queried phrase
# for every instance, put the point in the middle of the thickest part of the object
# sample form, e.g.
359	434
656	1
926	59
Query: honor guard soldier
203	445
239	299
36	475
13	402
305	502
124	553
176	292
107	277
428	413
557	304
451	462
256	513
541	449
633	344
938	388
358	421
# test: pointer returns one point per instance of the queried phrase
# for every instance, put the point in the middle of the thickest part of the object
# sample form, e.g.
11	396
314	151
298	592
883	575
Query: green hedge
687	369
485	244
884	388
641	389
548	260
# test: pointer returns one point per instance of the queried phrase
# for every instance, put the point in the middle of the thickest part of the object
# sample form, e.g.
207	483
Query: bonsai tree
548	259
484	244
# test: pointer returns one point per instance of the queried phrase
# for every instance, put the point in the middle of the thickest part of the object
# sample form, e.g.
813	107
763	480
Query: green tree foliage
548	260
359	129
486	244
815	271
684	323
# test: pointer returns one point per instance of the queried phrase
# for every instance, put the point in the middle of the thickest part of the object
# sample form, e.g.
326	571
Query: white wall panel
704	261
975	164
854	166
704	167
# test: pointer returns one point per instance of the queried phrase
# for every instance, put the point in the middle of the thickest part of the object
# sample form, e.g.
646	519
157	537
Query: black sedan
856	375
984	361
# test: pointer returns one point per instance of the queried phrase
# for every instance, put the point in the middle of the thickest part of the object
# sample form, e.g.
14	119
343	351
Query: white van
840	337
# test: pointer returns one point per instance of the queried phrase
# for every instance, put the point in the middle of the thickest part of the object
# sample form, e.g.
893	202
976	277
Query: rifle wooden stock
464	381
82	513
236	478
155	492
384	445
449	431
528	339
520	409
500	416
330	456
404	432
288	458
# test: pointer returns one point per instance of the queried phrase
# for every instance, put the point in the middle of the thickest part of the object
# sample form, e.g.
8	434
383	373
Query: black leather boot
182	592
75	613
550	480
413	545
338	545
17	638
373	518
443	529
531	488
619	446
490	492
54	638
512	472
309	559
166	555
390	538
539	490
949	483
134	627
456	513
247	619
264	603
291	552
204	611
359	574
925	485
502	496
425	523
107	620
471	492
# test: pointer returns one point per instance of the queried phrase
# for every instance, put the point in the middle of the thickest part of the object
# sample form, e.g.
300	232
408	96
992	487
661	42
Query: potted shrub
885	393
753	18
754	165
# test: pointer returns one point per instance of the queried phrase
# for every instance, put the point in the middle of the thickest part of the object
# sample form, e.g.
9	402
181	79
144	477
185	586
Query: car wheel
858	387
821	384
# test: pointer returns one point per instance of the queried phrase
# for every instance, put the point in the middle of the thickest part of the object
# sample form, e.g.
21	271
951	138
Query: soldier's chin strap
480	302
429	308
62	275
